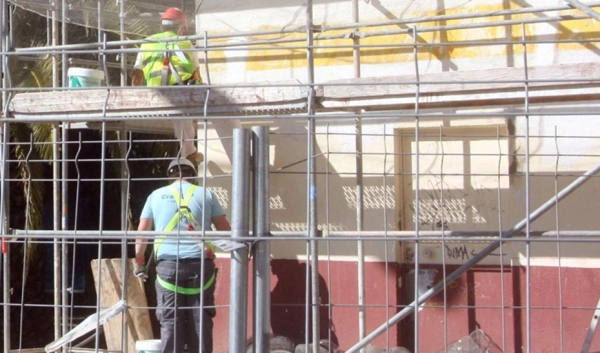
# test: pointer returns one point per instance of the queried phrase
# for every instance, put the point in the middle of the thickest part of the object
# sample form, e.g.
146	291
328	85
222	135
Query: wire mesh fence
421	205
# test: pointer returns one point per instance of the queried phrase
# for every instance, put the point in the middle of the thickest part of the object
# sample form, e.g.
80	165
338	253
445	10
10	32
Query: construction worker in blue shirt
182	261
168	64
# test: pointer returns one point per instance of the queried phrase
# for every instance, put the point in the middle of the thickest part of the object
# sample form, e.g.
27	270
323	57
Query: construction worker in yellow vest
171	63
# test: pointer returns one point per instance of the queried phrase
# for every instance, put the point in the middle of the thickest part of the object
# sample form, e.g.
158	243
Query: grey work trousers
180	315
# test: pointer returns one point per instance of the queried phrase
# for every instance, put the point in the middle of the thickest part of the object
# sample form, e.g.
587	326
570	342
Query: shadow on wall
288	304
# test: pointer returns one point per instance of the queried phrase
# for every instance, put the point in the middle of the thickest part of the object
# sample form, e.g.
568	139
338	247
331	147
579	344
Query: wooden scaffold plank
148	103
149	109
463	89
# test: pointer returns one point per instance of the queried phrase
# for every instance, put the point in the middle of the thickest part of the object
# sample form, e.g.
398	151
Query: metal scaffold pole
360	251
65	184
417	216
56	189
262	249
125	149
239	229
4	250
312	221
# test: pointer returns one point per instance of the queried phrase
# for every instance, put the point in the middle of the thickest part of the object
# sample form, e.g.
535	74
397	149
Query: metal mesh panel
446	201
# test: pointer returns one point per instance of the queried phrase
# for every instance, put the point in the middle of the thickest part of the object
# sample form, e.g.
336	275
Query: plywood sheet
137	316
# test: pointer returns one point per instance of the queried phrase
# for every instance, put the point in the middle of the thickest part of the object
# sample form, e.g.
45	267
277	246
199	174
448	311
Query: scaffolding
400	204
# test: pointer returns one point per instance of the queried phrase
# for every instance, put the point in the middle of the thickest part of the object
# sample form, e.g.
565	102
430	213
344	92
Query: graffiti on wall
463	252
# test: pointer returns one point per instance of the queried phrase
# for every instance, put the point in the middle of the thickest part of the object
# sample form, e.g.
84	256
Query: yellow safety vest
167	63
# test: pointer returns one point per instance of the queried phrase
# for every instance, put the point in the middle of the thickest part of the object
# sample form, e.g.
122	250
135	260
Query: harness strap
176	74
177	216
158	73
167	67
184	290
181	205
183	212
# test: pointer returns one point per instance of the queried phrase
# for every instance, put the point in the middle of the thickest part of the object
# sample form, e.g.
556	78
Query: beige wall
266	20
471	201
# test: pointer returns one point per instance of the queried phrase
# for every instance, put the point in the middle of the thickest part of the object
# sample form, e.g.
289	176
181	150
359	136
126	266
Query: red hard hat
173	16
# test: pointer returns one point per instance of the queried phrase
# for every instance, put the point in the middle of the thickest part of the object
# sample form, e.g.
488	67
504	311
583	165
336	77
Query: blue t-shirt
161	207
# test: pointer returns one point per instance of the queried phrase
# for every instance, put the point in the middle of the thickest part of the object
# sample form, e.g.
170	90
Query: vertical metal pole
558	245
240	190
262	249
56	190
5	251
123	55
4	214
312	181
124	212
65	185
103	163
125	183
64	37
101	227
500	227
359	227
527	195
124	168
417	186
359	186
56	226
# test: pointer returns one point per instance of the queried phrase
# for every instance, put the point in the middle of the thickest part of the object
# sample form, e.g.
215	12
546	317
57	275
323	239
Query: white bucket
80	77
148	346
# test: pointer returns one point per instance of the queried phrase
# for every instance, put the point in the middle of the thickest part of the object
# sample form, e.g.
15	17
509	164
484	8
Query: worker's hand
139	268
137	78
140	271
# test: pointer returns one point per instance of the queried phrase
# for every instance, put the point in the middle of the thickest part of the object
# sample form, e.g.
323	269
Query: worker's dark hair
181	171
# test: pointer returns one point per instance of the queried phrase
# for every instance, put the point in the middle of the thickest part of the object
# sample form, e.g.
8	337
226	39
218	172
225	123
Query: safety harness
175	63
183	214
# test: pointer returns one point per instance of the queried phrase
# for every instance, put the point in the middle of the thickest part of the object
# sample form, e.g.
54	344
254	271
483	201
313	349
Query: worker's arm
137	78
141	243
221	222
139	266
197	76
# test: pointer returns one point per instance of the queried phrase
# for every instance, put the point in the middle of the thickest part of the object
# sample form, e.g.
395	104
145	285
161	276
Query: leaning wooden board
137	316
